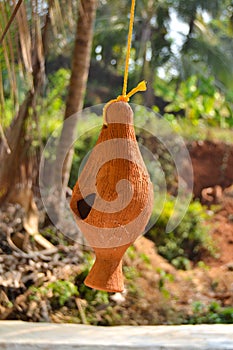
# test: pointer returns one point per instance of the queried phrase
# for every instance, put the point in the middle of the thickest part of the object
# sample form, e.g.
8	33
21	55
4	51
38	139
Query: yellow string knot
125	98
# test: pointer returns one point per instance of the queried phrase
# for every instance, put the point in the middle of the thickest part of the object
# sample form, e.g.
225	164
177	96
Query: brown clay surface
222	233
205	285
212	164
213	169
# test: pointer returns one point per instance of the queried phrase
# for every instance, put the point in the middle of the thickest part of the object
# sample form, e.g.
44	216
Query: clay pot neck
117	130
106	273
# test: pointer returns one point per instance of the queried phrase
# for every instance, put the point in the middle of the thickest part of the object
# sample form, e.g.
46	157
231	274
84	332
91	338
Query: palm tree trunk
15	182
77	87
9	172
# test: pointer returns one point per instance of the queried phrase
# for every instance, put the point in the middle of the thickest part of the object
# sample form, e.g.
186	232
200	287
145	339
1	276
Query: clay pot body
113	197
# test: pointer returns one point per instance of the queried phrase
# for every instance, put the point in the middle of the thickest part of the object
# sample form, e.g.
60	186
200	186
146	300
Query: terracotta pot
113	197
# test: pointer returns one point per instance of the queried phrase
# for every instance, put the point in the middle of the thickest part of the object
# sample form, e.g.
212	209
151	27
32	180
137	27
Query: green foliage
164	277
202	265
198	132
95	299
50	110
8	112
63	290
145	258
52	107
54	236
198	99
59	292
131	252
131	274
188	240
181	262
212	313
83	145
151	44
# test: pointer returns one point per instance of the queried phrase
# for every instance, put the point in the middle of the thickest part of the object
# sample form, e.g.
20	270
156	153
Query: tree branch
10	20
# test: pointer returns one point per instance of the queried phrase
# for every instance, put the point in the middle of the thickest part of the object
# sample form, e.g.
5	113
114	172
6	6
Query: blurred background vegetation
183	49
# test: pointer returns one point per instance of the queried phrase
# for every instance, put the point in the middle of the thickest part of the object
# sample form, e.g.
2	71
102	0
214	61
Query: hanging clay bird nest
113	198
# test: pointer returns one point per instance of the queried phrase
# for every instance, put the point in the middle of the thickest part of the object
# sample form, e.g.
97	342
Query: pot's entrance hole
84	205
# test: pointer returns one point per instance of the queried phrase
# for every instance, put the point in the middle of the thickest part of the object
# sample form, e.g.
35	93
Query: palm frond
207	48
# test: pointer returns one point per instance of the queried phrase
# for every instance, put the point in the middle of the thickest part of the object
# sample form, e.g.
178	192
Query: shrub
59	292
188	240
198	99
212	313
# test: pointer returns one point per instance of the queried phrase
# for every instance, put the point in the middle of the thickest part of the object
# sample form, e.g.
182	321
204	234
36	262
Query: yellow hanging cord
142	85
132	11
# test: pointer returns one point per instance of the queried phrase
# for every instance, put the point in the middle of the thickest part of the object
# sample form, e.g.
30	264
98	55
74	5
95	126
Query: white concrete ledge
17	335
